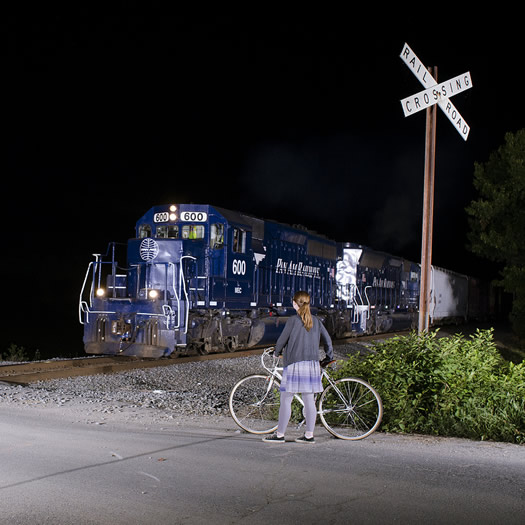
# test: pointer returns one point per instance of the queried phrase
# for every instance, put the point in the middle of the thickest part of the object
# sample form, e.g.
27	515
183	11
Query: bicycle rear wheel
254	403
350	409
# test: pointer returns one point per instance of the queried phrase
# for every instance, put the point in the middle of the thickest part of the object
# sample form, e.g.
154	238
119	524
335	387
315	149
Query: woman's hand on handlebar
325	362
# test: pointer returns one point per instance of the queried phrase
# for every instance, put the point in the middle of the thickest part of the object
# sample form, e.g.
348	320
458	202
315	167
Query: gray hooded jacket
302	345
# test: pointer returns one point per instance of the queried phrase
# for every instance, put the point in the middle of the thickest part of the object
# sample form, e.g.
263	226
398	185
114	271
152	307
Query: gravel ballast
179	390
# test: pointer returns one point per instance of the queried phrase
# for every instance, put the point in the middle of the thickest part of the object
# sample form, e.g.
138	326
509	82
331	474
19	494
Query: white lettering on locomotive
238	267
298	269
161	217
383	283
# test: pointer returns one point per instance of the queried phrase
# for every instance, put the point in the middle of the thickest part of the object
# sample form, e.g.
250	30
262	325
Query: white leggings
285	411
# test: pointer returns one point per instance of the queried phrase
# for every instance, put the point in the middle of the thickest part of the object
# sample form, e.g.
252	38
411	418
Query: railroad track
26	373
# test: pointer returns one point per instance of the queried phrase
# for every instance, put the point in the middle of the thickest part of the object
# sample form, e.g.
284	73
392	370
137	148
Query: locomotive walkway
60	467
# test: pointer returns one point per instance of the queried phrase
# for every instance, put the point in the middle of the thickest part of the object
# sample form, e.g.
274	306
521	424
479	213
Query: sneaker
304	439
273	439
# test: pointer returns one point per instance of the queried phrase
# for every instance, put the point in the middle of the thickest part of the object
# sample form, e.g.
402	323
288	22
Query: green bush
18	354
448	386
14	353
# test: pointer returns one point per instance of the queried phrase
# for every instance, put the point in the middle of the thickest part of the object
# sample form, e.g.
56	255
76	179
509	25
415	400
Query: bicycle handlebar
270	352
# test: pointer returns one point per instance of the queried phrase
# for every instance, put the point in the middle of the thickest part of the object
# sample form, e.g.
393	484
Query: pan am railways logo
299	269
149	249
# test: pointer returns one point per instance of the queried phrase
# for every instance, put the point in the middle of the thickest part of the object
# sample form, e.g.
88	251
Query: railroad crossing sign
435	93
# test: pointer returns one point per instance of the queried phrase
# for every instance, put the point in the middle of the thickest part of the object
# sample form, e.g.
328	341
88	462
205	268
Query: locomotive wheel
230	343
204	347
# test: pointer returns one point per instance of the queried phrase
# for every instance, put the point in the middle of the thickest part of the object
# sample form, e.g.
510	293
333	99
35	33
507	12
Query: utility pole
428	215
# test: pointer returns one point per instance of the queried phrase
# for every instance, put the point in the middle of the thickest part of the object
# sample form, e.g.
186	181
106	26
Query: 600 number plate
194	216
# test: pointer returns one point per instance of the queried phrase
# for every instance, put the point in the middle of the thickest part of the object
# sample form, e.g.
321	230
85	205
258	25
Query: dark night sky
297	120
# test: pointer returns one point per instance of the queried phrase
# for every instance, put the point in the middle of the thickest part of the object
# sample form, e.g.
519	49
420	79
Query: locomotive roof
257	224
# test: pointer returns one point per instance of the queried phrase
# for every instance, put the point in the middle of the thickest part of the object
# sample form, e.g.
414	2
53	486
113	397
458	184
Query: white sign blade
417	67
455	117
433	95
424	76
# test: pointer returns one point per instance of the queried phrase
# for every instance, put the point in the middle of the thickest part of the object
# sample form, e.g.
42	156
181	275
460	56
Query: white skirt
304	376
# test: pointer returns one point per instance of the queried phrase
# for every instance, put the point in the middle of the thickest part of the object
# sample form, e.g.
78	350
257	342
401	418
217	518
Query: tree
497	219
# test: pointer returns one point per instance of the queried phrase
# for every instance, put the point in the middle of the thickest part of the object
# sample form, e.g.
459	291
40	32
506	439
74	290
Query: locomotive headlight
100	292
173	216
173	208
153	294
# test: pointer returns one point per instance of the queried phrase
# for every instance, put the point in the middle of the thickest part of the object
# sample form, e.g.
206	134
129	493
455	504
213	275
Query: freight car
199	278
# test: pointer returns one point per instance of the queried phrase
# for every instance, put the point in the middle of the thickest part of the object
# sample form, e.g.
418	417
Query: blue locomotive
199	278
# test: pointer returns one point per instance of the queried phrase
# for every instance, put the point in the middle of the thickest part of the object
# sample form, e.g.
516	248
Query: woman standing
302	372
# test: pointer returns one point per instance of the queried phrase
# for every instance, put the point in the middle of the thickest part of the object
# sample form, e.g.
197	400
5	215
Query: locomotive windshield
193	231
170	231
144	231
165	231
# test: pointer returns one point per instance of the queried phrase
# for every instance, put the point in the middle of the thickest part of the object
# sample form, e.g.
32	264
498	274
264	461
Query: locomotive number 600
238	267
161	217
194	216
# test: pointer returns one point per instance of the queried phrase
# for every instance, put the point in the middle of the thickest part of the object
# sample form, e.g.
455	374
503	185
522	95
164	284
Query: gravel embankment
186	389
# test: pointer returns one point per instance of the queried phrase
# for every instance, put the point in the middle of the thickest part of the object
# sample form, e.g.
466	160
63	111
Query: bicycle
349	408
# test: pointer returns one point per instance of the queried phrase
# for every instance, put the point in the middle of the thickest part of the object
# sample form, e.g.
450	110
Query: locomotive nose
157	251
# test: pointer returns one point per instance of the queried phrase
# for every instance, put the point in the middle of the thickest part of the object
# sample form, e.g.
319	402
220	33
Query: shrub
449	386
15	353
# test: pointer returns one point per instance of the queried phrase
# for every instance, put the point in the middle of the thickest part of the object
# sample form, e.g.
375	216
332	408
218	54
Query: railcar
200	278
449	296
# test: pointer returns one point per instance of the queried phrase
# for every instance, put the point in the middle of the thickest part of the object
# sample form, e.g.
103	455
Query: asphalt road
63	468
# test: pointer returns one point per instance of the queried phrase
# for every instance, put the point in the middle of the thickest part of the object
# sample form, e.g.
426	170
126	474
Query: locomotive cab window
193	231
170	231
217	236
144	231
239	241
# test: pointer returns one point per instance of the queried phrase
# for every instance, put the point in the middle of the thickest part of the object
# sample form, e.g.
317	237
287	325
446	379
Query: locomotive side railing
361	306
85	306
176	321
182	287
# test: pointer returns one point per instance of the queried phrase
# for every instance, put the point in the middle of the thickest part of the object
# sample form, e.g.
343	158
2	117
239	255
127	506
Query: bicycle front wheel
254	404
350	409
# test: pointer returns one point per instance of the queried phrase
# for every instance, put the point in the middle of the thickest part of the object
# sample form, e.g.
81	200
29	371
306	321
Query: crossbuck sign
435	93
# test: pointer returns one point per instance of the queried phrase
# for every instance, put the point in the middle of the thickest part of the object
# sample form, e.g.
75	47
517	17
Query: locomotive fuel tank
212	331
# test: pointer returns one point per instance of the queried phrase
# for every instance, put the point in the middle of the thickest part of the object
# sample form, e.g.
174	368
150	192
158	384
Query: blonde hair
303	302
